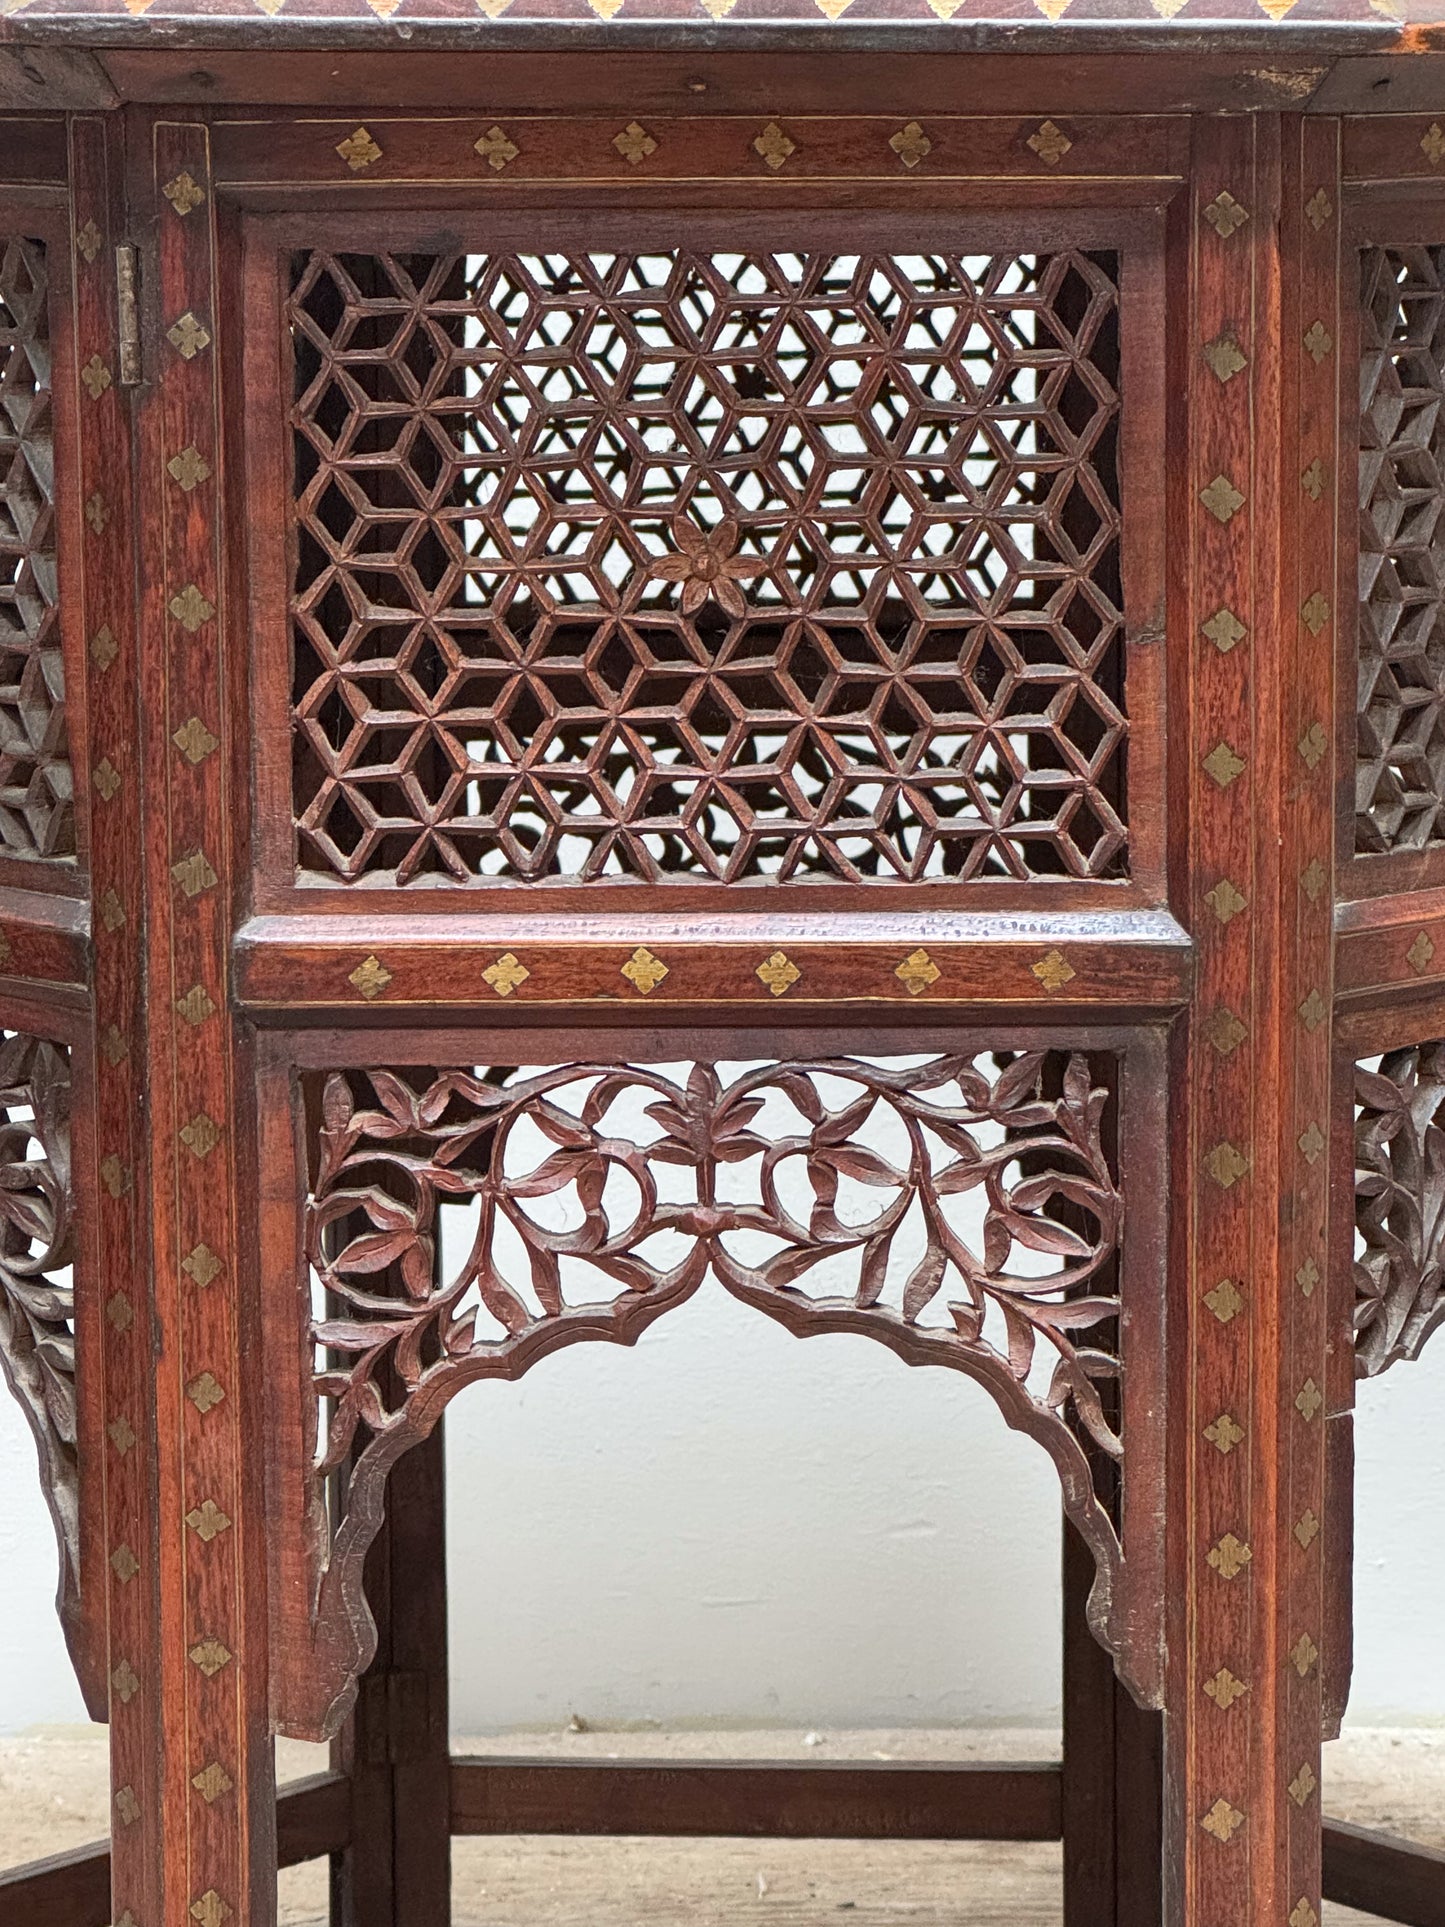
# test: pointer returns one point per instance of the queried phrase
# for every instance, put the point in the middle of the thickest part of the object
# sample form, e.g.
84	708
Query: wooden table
881	494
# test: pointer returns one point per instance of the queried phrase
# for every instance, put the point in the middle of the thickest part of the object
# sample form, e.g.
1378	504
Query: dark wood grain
756	1799
1382	1875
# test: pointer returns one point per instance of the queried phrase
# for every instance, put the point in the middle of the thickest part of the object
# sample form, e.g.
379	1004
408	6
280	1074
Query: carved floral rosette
964	1209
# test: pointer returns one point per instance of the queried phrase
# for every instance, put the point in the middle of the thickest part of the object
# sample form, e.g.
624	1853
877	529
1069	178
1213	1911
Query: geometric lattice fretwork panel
37	816
704	566
1400	773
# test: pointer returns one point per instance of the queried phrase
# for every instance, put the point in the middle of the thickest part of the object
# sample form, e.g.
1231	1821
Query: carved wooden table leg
1245	1705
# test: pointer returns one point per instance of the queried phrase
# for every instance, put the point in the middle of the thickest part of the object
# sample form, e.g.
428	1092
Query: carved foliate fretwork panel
1400	772
37	817
37	1298
1399	1205
966	1210
707	567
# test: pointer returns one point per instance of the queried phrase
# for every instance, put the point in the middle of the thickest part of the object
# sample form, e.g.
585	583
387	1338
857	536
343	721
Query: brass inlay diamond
634	143
496	150
1225	357
106	778
1224	764
190	608
370	977
1224	1689
644	971
1312	480
124	1682
1303	1655
1225	900
1225	215
114	1175
1223	1821
127	1806
1311	1142
1050	143
188	469
194	873
1312	879
96	377
1222	499
506	974
211	1782
196	1006
103	648
1226	1301
88	240
124	1564
1225	1433
1307	1277
910	144
194	740
1304	1915
183	193
917	972
1432	144
358	150
1302	1785
201	1135
1312	745
774	146
1318	209
96	513
1420	952
112	911
1308	1530
202	1265
121	1435
1225	1030
1318	342
1230	1557
1225	630
1309	1400
778	972
1053	971
210	1910
1313	1011
208	1521
205	1392
1315	613
188	335
118	1310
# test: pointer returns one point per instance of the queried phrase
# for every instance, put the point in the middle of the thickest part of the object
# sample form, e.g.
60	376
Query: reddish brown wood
1394	1879
1097	350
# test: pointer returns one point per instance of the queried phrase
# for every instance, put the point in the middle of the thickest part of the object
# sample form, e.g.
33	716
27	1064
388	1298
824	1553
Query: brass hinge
127	315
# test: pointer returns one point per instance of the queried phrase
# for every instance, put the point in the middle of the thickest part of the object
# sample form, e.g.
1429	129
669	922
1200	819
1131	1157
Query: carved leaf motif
37	1300
1399	1205
962	1209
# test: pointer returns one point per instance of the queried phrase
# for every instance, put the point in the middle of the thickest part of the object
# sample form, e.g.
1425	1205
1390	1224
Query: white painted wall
732	1524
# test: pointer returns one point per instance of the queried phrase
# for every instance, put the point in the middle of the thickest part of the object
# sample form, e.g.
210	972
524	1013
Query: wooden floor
53	1795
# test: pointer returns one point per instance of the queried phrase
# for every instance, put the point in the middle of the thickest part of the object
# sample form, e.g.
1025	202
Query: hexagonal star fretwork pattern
1400	769
703	566
37	815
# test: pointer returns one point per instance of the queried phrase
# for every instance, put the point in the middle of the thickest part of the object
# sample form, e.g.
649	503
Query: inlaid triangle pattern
37	816
707	567
1400	768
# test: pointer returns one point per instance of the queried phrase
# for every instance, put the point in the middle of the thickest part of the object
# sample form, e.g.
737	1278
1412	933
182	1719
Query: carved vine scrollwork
964	1210
37	1301
1399	1205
